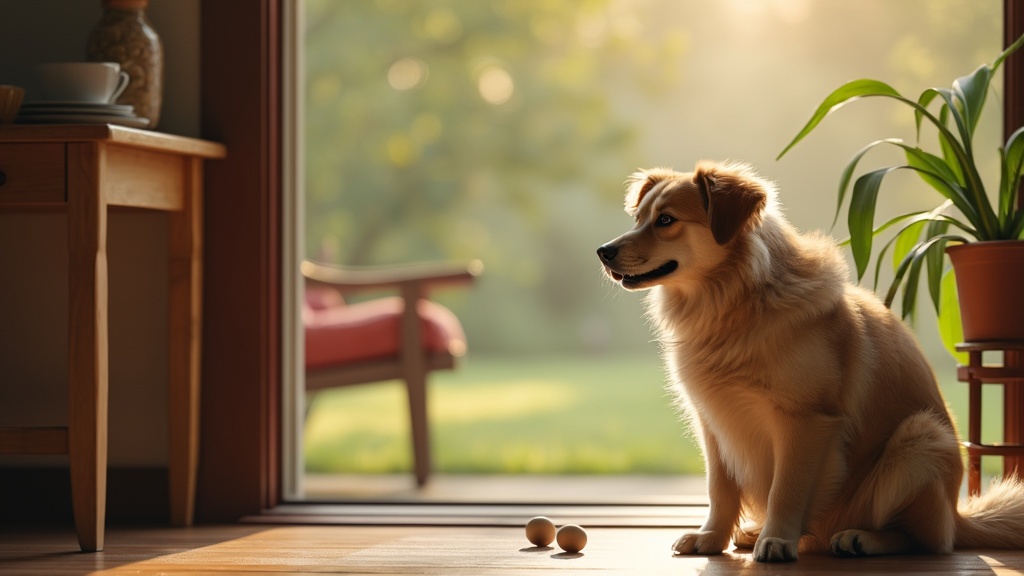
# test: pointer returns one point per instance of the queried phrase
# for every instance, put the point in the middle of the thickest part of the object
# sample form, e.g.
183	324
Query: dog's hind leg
870	543
927	524
911	493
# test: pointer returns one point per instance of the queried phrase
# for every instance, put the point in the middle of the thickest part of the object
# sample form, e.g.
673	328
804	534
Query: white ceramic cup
95	82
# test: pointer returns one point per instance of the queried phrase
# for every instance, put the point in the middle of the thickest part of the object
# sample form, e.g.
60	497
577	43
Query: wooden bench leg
414	367
417	388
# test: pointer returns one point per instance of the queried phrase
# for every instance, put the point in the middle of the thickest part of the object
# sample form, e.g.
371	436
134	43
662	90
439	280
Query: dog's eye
664	220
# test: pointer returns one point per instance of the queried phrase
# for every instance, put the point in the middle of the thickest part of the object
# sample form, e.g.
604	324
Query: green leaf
862	215
972	90
923	101
914	218
936	260
840	96
952	99
932	169
905	242
1017	226
948	153
844	178
909	271
938	174
959	158
951	331
985	219
1012	164
917	257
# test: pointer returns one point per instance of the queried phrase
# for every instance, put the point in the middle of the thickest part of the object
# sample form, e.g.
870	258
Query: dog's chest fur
735	406
741	421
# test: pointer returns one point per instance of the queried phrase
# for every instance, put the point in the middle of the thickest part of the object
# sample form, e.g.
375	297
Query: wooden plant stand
1010	374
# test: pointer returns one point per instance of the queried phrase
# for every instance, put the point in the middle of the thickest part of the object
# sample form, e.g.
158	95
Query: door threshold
496	500
636	489
435	514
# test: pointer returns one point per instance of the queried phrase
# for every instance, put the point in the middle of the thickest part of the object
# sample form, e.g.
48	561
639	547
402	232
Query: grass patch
512	415
568	415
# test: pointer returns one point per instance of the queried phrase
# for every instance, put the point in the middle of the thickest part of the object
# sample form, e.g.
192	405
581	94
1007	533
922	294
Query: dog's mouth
635	280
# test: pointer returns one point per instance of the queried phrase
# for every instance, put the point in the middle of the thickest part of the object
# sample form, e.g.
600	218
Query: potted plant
975	230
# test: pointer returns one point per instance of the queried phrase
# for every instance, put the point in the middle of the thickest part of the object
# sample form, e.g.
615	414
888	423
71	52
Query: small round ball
571	538
540	531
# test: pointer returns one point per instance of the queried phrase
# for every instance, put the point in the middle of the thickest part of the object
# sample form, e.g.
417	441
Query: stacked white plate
79	113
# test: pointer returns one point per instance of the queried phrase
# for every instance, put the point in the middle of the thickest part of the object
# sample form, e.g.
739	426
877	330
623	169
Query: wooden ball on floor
540	531
571	538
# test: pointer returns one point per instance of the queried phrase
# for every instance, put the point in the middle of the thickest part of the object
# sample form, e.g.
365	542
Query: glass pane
503	130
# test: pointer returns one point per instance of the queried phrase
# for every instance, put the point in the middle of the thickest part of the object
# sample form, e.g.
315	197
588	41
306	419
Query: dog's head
685	222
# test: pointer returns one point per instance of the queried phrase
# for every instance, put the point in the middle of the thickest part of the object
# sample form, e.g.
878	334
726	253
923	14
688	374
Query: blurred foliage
454	130
503	130
428	119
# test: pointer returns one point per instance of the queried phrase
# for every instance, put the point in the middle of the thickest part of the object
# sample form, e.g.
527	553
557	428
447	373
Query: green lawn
531	415
512	415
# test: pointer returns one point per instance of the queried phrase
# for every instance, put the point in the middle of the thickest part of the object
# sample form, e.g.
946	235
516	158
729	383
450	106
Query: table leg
185	331
87	332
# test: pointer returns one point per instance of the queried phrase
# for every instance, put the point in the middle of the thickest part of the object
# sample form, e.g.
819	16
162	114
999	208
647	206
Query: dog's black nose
607	252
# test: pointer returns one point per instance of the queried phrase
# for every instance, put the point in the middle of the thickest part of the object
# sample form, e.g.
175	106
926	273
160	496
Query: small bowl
10	102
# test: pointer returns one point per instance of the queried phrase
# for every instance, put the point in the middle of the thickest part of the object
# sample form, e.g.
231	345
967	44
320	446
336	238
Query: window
502	130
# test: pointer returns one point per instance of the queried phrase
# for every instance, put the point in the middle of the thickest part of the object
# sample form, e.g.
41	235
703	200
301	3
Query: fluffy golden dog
820	420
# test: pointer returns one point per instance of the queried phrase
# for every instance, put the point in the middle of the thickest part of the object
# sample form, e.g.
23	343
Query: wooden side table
85	169
1010	373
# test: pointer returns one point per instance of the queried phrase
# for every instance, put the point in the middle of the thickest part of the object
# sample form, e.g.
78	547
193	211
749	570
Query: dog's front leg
800	444
723	513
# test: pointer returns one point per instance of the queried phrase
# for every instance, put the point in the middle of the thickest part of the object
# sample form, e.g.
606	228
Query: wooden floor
259	549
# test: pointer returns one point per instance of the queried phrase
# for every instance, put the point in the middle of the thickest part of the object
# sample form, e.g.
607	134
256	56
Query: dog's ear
733	197
639	184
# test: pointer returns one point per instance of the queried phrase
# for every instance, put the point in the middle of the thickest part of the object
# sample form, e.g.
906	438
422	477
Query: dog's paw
705	543
769	549
856	543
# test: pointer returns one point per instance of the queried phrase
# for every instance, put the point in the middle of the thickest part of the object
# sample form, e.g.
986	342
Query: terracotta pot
990	285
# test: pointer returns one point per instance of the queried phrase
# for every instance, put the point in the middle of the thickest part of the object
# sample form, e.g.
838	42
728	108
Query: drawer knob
3	178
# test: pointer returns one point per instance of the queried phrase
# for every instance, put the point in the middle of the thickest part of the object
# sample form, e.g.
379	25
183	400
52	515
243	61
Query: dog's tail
994	519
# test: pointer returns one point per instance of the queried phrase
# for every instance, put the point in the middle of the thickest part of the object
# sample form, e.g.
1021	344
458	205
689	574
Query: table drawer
32	173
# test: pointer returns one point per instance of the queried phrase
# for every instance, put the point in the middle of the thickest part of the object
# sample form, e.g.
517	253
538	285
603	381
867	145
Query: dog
820	421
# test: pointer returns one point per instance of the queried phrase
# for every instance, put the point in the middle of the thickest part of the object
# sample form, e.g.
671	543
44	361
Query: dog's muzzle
607	254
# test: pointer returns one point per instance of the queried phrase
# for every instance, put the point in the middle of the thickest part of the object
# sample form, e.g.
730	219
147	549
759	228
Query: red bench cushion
347	333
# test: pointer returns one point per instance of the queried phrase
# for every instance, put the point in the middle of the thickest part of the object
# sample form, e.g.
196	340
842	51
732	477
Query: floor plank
261	549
